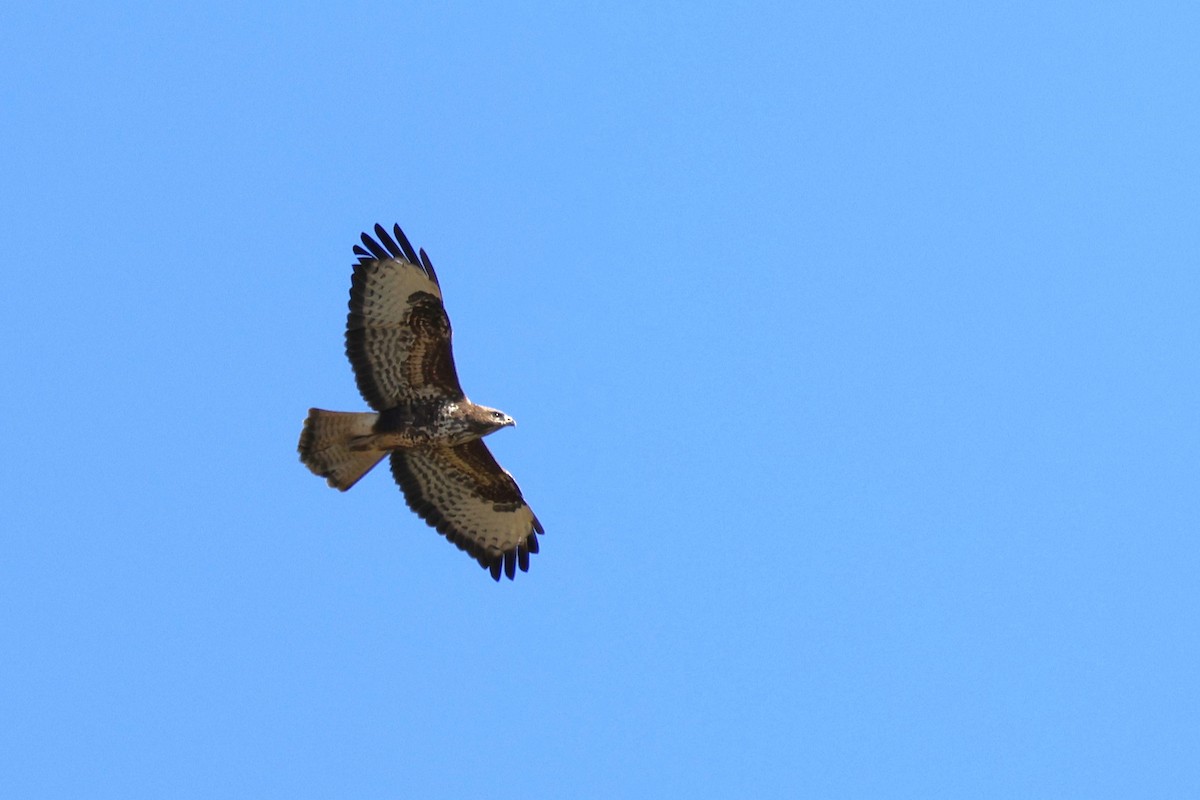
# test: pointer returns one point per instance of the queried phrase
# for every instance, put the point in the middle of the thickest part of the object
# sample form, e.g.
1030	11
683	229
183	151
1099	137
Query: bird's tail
325	446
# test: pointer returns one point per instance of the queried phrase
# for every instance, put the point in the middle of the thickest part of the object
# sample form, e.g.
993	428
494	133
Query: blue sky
854	350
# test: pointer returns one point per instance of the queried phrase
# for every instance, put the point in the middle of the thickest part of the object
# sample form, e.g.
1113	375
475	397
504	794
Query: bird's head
489	420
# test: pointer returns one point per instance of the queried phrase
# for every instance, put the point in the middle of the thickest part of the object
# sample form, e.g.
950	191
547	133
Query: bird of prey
398	342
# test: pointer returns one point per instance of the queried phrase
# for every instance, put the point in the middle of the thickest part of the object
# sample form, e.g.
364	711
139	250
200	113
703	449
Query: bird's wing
398	334
463	493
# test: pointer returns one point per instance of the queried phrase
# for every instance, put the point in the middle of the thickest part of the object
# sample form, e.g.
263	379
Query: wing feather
398	337
406	247
376	249
469	498
428	265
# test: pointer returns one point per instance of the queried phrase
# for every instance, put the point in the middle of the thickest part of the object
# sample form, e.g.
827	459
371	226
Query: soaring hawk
398	342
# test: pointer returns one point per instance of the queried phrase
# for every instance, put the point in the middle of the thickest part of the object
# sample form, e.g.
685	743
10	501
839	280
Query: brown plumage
398	342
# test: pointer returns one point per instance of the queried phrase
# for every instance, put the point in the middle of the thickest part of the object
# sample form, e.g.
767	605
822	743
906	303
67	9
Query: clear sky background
854	351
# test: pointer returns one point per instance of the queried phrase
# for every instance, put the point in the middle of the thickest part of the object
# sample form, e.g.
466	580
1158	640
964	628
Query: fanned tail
325	446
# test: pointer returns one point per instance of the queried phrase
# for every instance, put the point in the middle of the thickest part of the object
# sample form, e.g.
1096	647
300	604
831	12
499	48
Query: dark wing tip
405	249
376	249
392	248
509	562
384	247
394	245
428	265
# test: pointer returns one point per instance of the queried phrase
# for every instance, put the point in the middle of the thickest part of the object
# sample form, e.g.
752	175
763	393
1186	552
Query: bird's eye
497	415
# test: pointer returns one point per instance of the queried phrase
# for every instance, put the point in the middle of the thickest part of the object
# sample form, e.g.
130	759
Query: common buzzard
398	342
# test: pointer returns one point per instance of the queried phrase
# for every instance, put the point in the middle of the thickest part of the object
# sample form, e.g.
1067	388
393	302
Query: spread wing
473	501
398	334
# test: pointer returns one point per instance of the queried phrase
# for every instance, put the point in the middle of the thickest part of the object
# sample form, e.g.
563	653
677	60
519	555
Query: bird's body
398	341
446	424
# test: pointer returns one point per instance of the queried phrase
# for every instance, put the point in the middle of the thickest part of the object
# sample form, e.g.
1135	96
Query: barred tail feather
325	446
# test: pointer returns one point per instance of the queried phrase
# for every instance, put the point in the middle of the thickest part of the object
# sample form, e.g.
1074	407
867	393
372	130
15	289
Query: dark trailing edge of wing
356	340
388	247
508	561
